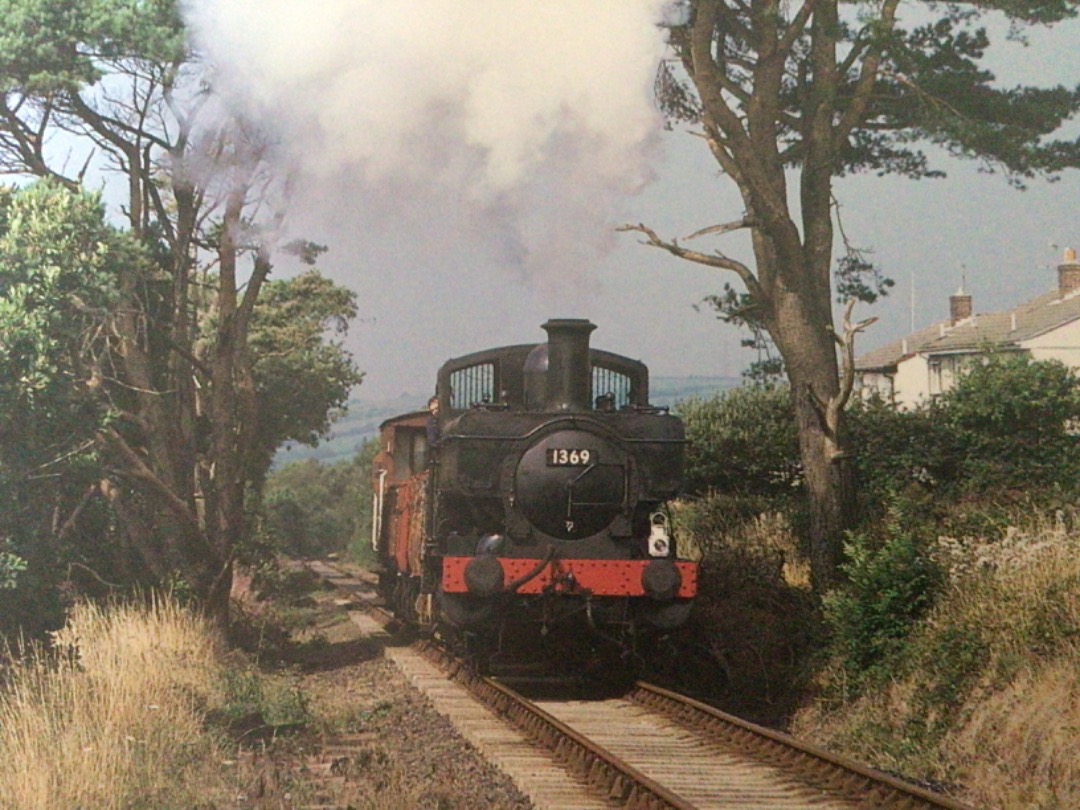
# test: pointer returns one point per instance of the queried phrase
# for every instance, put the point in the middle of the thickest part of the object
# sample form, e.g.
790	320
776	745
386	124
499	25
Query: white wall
912	382
1061	344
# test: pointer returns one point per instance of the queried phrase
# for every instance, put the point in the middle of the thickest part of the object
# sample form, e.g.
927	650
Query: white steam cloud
531	120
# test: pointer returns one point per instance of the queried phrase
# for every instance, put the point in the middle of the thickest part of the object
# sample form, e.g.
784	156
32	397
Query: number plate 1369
567	457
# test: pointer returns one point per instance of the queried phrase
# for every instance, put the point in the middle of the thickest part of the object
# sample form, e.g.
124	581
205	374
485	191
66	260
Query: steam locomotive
526	507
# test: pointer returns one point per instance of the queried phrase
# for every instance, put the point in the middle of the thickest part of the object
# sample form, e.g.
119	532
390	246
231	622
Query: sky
467	170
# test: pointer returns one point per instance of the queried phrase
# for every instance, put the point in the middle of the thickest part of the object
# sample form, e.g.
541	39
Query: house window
949	368
935	378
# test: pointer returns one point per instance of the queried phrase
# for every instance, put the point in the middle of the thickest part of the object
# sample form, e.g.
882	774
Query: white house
924	364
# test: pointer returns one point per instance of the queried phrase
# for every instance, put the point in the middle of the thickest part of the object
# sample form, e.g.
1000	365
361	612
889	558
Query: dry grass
754	623
766	540
988	696
1020	592
114	718
1019	744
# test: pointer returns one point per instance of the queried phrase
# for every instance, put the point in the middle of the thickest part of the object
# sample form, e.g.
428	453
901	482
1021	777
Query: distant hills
669	390
363	417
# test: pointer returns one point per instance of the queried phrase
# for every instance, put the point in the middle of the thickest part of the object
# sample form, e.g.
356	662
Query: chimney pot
959	307
1068	273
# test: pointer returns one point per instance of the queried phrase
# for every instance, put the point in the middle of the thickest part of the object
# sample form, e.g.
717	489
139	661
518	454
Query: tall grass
987	692
113	716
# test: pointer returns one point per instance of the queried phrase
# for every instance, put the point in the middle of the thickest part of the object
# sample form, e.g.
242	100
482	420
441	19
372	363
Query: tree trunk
805	338
829	488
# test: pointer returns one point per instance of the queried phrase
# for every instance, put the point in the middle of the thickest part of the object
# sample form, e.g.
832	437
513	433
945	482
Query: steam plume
532	120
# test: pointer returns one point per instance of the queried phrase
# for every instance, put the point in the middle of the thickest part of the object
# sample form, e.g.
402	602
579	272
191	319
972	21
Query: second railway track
650	749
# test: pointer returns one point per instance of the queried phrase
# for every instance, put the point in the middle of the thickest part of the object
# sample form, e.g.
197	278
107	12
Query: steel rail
831	770
629	788
601	769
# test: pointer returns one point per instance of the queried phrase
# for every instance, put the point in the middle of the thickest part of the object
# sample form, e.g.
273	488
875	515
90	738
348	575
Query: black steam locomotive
529	502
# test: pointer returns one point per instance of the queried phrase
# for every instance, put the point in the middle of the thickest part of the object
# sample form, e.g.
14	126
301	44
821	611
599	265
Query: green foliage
707	520
311	509
182	381
755	613
10	567
942	94
58	267
860	279
51	45
890	584
742	441
1012	420
895	449
1008	423
57	270
253	698
302	377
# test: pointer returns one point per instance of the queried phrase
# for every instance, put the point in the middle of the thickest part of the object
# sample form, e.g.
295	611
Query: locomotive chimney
569	378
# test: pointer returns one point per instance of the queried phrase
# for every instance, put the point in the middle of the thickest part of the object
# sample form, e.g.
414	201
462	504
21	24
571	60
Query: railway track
650	749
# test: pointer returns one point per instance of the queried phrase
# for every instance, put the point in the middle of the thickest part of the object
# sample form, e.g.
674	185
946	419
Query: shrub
985	692
755	621
310	508
743	440
744	531
1008	426
10	566
1012	418
895	449
891	584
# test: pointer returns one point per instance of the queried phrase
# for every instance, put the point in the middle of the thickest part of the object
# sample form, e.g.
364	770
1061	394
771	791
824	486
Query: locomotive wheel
465	610
665	615
405	594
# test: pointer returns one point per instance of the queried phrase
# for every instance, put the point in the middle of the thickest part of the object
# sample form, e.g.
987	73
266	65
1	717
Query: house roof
998	329
889	355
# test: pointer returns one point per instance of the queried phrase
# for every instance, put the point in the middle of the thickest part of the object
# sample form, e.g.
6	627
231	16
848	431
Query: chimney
1068	273
959	307
569	378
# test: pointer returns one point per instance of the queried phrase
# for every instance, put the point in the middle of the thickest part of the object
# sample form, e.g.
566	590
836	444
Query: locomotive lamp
659	535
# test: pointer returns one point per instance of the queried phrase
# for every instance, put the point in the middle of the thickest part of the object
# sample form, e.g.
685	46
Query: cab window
473	385
611	389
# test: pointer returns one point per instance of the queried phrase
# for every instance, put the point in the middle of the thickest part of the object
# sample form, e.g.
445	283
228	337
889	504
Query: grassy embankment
114	718
133	708
985	692
982	694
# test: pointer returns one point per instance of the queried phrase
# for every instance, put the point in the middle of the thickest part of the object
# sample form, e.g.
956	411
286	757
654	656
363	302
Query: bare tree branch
726	227
714	260
830	411
138	468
